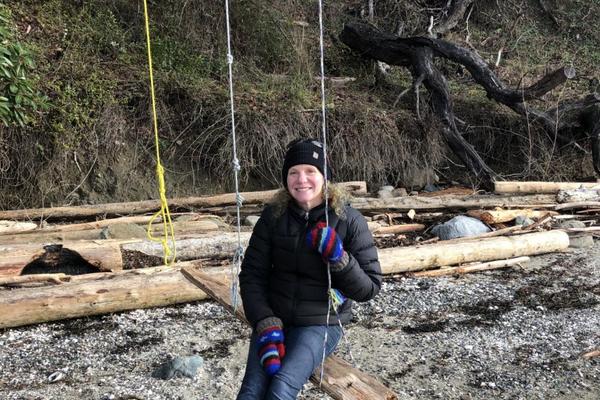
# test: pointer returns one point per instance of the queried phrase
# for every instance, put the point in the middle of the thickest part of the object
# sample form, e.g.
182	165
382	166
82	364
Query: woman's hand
326	241
271	348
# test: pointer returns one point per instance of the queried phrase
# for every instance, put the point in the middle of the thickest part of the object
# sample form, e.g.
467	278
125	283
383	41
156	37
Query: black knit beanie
304	151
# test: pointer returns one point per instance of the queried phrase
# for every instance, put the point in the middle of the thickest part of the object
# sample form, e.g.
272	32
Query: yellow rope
168	231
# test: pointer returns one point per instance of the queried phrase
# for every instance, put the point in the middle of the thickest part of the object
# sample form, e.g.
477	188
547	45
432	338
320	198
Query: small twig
430	28
499	57
591	354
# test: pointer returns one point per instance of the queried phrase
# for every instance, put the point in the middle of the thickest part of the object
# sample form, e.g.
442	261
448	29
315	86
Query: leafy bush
18	97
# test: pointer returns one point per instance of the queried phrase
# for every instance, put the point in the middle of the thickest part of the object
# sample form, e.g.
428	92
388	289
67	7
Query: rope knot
239	199
236	164
229	58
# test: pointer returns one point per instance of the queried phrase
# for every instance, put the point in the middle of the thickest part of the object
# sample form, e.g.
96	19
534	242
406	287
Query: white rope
326	178
239	252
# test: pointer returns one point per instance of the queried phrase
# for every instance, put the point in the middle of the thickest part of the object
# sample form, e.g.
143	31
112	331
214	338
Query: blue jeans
303	354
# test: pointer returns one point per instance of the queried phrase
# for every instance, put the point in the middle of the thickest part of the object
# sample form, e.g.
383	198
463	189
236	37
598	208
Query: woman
283	279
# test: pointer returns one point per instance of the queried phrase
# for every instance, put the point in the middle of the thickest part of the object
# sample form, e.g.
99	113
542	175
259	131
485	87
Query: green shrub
18	98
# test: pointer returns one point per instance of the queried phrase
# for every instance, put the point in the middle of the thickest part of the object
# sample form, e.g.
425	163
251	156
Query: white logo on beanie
315	155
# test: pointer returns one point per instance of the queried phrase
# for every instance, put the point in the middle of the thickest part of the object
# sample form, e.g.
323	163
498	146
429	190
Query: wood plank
340	380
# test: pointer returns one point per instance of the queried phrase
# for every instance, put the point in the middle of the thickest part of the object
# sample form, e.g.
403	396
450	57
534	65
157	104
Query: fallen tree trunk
452	202
220	245
12	227
110	292
340	380
103	223
416	258
505	187
104	256
498	216
139	207
578	204
478	267
402	228
36	278
96	294
394	260
500	232
577	195
41	236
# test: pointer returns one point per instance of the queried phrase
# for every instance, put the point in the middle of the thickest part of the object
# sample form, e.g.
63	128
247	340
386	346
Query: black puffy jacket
281	276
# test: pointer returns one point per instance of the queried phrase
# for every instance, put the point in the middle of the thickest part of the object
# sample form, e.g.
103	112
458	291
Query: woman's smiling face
305	184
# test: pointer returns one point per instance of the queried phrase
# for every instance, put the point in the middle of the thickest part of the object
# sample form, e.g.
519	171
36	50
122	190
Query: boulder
460	226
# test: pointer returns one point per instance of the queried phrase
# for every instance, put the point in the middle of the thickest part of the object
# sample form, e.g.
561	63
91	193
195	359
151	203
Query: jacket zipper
298	241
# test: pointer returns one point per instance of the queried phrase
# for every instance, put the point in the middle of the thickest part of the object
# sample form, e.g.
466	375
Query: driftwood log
141	207
101	293
440	254
533	187
476	267
88	256
499	216
577	195
340	379
12	227
181	229
419	203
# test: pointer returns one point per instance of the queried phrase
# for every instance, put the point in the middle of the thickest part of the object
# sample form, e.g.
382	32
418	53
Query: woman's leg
256	381
304	353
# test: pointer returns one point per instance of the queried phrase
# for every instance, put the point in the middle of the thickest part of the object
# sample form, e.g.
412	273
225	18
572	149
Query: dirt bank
513	334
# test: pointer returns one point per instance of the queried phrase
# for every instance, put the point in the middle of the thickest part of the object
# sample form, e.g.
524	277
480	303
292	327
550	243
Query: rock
123	231
56	377
185	218
460	226
430	188
579	241
251	220
523	220
400	192
385	192
179	366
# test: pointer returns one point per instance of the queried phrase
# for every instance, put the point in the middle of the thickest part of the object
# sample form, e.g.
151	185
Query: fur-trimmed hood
338	199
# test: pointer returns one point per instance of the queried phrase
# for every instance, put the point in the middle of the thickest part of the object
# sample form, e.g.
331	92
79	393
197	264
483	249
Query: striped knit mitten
326	241
271	348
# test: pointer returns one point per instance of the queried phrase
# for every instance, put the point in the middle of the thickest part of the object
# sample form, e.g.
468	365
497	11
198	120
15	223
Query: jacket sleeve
360	279
255	271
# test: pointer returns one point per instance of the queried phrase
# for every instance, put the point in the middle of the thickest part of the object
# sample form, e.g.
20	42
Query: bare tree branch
455	14
418	54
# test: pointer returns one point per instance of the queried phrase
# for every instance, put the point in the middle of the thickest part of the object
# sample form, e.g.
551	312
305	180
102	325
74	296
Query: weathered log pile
70	270
36	285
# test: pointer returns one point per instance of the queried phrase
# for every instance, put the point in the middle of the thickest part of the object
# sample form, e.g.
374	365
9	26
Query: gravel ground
510	334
